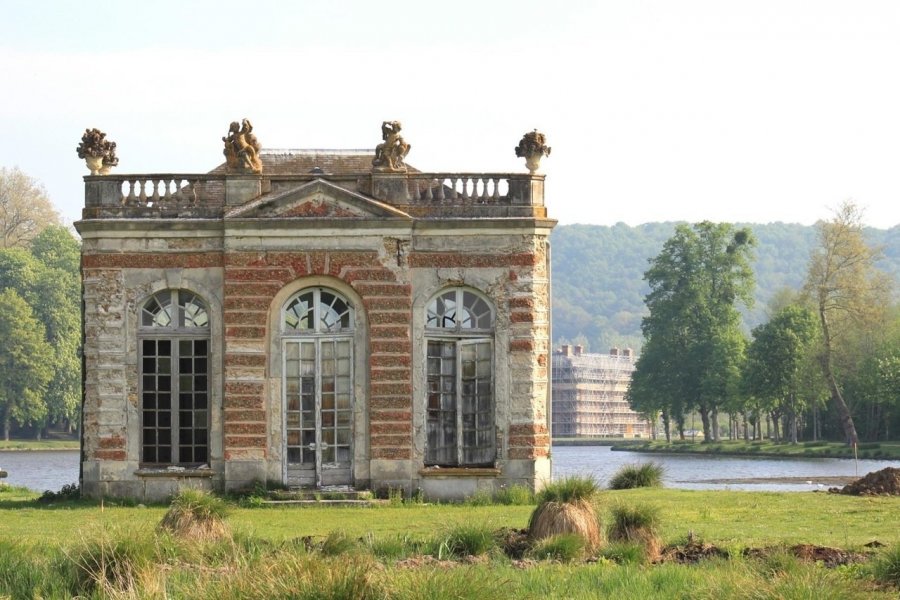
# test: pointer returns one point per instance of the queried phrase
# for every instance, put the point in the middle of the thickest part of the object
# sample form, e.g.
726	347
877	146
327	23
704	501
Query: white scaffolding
589	395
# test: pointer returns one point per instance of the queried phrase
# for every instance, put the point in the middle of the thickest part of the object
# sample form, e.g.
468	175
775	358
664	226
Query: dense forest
598	275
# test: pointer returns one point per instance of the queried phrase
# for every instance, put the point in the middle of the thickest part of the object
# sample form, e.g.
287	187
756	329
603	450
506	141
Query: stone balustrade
171	194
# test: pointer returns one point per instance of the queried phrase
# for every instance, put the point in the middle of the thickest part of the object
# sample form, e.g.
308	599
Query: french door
318	409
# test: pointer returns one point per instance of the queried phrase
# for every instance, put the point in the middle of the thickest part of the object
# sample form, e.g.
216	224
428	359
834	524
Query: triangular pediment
316	199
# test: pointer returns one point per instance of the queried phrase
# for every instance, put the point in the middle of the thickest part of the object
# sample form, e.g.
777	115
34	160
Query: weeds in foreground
468	540
886	567
566	547
637	476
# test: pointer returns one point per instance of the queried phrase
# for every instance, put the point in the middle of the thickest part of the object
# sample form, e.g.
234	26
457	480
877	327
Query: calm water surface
51	469
697	472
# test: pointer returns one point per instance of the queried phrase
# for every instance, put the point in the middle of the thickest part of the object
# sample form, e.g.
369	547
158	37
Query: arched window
459	330
317	329
173	337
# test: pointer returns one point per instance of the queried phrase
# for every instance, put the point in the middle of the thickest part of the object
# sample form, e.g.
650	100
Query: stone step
313	502
322	495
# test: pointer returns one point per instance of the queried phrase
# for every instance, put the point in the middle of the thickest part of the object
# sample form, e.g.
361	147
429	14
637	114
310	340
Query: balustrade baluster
484	189
154	197
440	190
496	196
143	195
429	195
132	192
453	194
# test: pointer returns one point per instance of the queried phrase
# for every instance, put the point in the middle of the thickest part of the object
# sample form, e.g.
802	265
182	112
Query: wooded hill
598	275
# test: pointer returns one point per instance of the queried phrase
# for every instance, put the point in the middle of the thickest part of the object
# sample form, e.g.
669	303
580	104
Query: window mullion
459	417
175	369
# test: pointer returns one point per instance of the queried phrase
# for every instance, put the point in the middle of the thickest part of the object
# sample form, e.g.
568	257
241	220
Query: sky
741	111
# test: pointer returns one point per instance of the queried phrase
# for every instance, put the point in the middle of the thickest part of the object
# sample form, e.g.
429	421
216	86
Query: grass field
39	445
400	551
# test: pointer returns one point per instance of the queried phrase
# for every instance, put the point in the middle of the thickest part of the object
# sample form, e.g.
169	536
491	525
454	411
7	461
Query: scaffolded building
589	395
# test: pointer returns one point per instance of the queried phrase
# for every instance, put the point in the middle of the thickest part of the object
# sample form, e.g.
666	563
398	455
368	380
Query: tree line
40	314
825	363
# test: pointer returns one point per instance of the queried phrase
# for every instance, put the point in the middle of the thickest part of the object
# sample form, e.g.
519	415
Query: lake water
50	470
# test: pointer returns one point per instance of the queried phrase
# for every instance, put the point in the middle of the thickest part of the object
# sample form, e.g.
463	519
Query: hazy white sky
756	111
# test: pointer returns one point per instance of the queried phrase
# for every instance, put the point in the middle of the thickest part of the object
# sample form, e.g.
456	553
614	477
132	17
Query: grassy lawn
872	450
39	445
269	558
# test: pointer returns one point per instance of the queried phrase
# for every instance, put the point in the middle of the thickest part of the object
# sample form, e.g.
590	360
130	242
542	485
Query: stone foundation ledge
174	473
459	472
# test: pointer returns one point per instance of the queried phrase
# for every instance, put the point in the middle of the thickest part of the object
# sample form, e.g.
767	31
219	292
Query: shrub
638	524
565	547
637	476
70	491
886	567
197	515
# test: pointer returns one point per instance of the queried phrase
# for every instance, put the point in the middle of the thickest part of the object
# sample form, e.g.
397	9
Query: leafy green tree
848	294
25	363
694	346
776	363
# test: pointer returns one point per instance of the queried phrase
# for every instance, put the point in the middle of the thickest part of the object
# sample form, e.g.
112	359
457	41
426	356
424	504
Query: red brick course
110	455
245	428
233	359
245	441
389	441
111	443
521	346
391	453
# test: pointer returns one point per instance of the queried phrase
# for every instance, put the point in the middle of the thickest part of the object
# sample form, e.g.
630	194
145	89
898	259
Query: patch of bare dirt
830	557
885	482
514	542
692	552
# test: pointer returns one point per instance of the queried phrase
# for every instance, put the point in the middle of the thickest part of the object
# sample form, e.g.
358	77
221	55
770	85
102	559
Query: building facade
589	395
315	319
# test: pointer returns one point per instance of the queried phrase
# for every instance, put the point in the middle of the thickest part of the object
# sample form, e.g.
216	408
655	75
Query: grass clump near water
196	515
637	524
643	475
467	540
567	507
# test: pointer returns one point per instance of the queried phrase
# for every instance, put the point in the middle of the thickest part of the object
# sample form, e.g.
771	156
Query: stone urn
95	165
532	147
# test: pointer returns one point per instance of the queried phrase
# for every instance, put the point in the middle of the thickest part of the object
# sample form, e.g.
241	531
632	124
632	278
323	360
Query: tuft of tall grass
569	490
195	514
467	540
637	476
566	547
112	563
337	543
886	567
625	553
637	524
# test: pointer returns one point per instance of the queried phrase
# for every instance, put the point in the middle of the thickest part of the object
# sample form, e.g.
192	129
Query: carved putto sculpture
242	149
390	153
99	153
532	147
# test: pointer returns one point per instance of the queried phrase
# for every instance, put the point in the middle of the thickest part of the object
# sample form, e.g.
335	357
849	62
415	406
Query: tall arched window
317	331
459	330
173	337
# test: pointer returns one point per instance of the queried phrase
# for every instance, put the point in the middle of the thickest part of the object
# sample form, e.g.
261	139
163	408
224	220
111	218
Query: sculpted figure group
390	153
242	148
